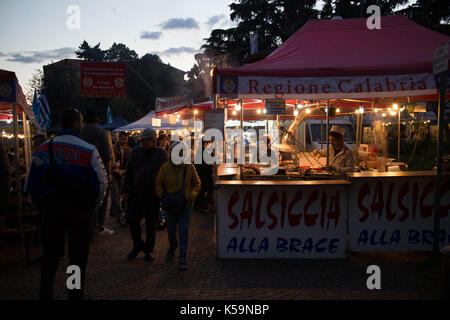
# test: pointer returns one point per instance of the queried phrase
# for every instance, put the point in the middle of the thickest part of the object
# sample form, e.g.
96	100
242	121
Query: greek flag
109	117
44	110
35	107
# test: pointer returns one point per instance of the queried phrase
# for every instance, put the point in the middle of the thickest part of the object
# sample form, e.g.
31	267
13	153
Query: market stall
325	66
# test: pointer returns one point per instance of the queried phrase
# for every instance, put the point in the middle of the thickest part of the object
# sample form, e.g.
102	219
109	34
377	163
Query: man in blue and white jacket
65	181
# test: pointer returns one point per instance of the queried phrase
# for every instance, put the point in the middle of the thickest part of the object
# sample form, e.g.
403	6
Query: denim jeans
182	220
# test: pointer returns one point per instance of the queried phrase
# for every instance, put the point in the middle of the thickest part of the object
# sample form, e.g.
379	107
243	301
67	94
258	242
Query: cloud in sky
151	35
40	56
180	23
177	51
215	19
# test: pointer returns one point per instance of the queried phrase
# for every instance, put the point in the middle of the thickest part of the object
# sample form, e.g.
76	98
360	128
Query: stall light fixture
178	116
265	111
258	111
361	110
295	113
237	107
326	109
300	106
308	110
234	112
356	111
195	111
383	114
376	110
395	106
392	113
8	121
429	121
338	110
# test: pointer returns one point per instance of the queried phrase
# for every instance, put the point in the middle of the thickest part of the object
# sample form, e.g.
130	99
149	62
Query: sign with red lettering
296	222
396	214
254	87
103	79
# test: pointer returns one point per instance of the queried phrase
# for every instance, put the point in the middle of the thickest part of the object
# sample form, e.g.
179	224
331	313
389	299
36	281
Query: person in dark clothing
139	188
121	153
205	173
65	181
97	136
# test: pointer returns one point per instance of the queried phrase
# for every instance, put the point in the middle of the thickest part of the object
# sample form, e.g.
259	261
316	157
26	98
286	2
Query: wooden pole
18	178
328	132
437	205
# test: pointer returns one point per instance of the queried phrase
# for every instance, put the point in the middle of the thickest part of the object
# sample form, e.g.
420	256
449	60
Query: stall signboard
396	214
168	103
293	222
103	79
215	119
275	106
156	122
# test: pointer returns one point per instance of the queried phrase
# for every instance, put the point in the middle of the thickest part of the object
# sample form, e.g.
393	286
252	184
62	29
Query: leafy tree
120	52
35	83
88	53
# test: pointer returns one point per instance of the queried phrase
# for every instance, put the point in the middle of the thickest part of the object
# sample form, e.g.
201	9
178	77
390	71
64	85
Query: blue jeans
182	220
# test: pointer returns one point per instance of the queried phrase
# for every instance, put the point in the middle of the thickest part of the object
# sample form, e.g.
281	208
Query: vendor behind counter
341	157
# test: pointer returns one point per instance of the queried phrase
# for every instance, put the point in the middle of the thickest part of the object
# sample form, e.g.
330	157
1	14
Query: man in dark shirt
97	136
139	188
121	153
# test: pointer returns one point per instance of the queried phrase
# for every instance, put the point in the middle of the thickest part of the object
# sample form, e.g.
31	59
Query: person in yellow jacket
169	181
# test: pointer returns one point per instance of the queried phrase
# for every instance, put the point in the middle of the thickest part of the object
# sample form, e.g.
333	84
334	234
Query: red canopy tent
11	92
328	59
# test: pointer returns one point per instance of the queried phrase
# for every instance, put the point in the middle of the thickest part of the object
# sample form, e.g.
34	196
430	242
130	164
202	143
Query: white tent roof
147	122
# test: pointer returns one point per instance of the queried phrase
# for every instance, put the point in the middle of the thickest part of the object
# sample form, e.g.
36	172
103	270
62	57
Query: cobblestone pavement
110	276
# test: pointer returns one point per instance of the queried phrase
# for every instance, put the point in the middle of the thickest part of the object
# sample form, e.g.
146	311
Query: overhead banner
396	214
168	103
260	222
103	79
252	87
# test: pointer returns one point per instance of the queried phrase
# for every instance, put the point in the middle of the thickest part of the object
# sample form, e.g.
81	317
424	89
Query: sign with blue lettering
294	222
396	214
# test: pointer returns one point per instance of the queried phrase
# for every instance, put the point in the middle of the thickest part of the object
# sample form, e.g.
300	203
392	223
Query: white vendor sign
274	221
390	214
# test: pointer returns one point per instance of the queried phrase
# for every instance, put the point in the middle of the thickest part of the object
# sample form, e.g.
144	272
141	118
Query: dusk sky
35	32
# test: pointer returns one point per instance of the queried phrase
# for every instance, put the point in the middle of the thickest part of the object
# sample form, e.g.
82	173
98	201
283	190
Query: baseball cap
148	133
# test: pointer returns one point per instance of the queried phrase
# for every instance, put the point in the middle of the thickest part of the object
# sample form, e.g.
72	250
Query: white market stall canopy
156	123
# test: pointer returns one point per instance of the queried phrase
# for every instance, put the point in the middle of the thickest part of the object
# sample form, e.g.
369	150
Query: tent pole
26	141
437	202
398	138
328	133
18	178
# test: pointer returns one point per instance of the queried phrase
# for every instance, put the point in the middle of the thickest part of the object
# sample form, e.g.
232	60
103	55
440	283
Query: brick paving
110	276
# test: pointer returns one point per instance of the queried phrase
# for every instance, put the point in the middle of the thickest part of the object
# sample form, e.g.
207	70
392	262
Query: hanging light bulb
178	116
258	111
392	112
234	112
300	106
9	120
265	111
395	106
237	107
338	110
361	110
308	110
383	114
376	110
295	113
356	111
195	112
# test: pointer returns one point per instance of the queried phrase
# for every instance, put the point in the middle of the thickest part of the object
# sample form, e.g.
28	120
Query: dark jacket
97	136
142	170
77	177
